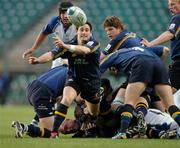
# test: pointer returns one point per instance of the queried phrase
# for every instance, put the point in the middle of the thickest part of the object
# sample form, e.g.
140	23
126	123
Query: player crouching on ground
42	94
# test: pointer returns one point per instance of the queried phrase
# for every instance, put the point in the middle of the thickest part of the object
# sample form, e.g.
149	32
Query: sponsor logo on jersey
90	43
107	47
172	26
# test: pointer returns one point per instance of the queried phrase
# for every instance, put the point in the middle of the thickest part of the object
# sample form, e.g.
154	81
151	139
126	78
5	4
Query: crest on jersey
107	47
172	26
90	43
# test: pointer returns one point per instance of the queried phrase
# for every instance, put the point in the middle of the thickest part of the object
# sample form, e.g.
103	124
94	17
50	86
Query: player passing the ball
83	54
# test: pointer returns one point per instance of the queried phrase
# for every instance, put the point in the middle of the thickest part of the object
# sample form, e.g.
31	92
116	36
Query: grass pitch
25	114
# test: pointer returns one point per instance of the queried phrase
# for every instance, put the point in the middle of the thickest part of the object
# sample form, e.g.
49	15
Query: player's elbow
165	52
87	51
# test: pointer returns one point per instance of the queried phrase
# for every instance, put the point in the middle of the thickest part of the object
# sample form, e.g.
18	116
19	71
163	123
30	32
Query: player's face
64	18
83	33
69	126
112	32
174	6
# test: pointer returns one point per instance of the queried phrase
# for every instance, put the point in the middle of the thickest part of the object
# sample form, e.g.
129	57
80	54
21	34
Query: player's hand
27	53
58	42
54	135
145	42
33	60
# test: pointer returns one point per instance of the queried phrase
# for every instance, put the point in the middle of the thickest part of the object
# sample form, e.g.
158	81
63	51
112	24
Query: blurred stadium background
22	20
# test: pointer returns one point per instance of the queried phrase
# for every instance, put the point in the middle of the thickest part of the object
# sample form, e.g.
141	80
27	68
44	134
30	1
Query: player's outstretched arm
28	52
164	37
78	49
48	56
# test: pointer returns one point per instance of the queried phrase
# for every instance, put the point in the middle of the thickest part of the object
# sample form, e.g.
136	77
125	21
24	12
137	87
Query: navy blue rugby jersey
82	66
157	50
174	28
123	59
55	79
124	39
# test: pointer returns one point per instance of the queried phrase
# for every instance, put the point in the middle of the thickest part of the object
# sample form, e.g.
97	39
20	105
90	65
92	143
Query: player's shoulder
176	17
55	19
93	42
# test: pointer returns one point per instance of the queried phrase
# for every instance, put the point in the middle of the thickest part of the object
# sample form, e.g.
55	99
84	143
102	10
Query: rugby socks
142	108
59	116
35	120
174	111
35	131
126	117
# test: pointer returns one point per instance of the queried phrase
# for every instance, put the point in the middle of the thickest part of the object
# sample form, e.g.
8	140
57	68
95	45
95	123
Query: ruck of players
140	107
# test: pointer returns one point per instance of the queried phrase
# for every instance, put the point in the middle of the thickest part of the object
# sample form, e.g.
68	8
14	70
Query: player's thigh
47	122
93	109
69	95
133	92
164	91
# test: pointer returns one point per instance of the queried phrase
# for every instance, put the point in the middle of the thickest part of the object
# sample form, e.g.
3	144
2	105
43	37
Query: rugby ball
76	16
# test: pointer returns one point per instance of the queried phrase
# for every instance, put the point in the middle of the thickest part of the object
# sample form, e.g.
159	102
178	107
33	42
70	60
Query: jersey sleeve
48	29
158	50
59	52
106	63
174	25
109	48
93	45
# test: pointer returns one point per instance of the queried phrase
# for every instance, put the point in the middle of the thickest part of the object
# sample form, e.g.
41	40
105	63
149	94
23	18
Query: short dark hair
89	24
63	6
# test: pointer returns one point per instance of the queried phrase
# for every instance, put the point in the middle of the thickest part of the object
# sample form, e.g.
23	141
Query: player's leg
132	95
46	118
177	98
35	120
93	109
165	92
174	72
31	130
141	108
69	94
40	99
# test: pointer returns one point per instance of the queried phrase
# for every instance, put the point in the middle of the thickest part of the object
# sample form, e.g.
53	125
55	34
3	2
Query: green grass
25	114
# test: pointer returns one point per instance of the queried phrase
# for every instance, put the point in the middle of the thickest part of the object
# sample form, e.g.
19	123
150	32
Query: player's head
174	6
63	6
69	126
84	33
113	26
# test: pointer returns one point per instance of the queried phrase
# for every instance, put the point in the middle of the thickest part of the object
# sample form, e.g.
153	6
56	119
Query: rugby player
57	26
172	35
83	76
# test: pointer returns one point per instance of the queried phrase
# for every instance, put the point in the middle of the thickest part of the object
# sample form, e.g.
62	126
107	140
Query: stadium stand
146	18
18	16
